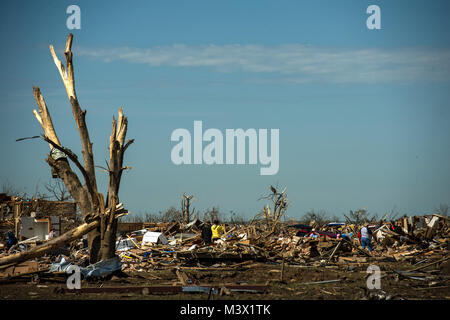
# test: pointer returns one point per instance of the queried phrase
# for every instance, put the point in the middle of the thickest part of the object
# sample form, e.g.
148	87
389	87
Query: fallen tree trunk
50	245
64	239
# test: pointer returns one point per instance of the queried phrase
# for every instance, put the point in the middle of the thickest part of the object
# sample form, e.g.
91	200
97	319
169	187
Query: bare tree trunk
117	148
101	240
186	208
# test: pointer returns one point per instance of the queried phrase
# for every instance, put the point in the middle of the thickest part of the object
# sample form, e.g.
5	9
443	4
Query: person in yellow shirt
217	230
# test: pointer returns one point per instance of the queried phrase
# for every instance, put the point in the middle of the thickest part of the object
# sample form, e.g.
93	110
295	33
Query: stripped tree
186	208
270	220
92	204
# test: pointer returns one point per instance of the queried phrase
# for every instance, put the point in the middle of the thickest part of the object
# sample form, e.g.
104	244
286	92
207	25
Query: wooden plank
428	265
334	251
321	282
134	242
182	277
20	269
352	259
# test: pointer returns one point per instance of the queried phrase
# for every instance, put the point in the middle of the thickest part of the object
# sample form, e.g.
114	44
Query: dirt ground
294	286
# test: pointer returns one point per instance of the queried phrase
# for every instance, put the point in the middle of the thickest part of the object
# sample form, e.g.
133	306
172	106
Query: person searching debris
206	232
366	237
217	230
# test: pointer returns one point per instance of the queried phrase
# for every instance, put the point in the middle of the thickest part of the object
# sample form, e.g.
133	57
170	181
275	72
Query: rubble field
256	261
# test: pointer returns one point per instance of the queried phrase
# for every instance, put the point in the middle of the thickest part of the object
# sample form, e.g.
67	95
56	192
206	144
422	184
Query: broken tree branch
43	116
50	245
72	156
67	77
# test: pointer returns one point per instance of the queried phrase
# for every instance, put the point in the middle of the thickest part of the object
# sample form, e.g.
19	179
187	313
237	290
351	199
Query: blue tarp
101	268
347	236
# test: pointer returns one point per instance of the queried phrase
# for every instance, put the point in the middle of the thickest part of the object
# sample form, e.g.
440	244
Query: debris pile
420	241
175	244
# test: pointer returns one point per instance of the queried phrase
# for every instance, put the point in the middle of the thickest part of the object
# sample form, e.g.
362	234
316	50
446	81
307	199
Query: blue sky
363	114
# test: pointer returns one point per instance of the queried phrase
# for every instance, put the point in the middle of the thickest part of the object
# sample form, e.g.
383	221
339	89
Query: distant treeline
321	217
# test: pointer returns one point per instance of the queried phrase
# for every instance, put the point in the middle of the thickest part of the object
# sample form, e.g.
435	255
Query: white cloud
298	63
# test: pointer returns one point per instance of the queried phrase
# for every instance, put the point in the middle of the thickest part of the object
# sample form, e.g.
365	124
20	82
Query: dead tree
358	219
211	215
272	218
92	204
57	190
280	204
185	207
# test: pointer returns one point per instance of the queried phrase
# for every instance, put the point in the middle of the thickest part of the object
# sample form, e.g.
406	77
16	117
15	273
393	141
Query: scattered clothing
313	235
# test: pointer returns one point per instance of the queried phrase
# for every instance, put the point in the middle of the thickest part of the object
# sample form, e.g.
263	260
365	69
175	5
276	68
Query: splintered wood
245	247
